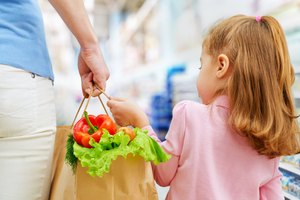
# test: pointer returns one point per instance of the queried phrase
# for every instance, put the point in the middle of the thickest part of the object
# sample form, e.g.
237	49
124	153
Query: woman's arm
91	65
74	14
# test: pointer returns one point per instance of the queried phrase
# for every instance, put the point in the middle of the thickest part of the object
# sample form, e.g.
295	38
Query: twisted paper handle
88	101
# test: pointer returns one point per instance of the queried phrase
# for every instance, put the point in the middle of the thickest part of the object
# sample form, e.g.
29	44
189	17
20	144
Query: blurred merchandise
184	86
290	185
160	114
161	104
293	160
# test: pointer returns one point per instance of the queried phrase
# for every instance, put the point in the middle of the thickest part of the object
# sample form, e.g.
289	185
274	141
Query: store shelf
274	8
296	94
297	69
290	168
134	23
189	56
287	12
289	196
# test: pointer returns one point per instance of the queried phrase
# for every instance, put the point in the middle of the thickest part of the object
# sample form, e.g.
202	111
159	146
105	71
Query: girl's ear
223	66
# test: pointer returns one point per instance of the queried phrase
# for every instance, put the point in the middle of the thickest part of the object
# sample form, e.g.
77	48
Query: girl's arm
128	113
164	172
92	67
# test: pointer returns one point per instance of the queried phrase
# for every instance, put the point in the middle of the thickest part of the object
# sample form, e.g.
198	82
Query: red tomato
128	131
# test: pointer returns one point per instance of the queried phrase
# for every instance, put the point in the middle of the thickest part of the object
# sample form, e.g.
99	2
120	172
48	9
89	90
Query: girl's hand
92	69
127	113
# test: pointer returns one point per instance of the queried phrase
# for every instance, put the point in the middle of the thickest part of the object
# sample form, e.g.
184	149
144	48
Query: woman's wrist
89	44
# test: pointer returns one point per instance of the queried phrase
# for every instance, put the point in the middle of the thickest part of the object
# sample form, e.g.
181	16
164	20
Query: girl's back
214	162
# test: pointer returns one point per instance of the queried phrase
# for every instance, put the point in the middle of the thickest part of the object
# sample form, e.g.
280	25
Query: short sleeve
175	135
272	189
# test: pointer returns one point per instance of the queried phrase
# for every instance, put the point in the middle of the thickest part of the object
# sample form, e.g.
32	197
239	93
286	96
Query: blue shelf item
161	104
161	112
176	69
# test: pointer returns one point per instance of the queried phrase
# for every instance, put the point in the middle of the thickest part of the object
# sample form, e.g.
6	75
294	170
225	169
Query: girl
228	147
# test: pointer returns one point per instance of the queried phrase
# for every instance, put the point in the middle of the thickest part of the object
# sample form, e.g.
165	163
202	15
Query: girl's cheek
199	86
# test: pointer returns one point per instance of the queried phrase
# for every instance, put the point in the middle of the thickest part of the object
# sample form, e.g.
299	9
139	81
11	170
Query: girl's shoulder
220	101
190	106
218	109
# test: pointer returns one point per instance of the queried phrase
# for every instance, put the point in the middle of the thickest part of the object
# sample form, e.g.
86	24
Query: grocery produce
99	157
91	126
128	131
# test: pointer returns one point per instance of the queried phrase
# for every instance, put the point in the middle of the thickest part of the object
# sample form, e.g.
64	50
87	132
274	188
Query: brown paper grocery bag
129	178
63	179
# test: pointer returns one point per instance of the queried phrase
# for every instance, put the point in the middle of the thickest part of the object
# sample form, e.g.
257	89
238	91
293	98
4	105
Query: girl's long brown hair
259	89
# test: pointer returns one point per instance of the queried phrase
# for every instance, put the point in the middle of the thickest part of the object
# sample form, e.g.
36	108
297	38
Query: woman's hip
26	103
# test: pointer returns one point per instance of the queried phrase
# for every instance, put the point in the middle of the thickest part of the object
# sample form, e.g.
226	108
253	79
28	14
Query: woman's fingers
87	84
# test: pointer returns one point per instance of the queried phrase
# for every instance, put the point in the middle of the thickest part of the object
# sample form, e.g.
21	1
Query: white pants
27	132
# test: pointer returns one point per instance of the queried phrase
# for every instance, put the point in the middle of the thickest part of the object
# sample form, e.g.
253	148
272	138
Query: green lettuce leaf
99	158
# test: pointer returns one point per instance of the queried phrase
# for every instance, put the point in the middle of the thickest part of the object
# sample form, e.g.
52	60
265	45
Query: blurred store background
152	48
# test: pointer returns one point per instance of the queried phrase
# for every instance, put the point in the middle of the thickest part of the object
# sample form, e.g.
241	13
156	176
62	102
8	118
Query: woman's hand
93	70
127	113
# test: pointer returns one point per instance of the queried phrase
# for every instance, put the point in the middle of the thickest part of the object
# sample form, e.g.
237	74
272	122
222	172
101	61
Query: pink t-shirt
212	162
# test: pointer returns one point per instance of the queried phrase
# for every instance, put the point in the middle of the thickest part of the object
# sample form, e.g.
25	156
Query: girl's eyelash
200	68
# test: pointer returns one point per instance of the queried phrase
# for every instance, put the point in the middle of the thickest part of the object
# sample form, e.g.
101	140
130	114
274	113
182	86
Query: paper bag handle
88	100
